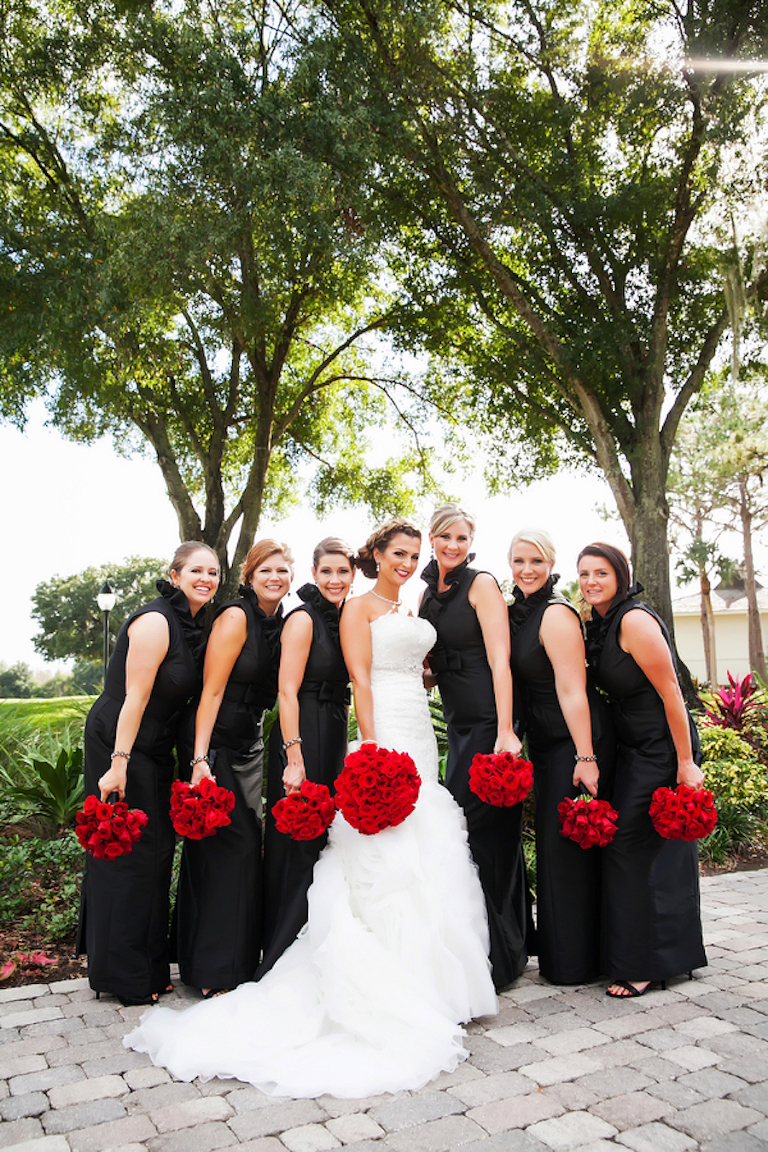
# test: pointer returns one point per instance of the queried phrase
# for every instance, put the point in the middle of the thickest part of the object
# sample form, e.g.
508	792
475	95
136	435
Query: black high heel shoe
129	1002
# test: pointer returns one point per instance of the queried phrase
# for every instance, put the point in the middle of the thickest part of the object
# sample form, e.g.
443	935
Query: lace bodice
400	710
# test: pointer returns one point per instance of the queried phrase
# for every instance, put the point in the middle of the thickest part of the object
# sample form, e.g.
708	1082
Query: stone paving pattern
557	1069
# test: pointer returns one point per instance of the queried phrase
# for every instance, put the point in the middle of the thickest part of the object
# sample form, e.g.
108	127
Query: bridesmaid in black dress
470	662
219	906
652	926
130	737
561	720
313	695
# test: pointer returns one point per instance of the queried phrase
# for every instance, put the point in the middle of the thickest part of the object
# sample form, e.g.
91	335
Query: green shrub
40	883
732	770
736	829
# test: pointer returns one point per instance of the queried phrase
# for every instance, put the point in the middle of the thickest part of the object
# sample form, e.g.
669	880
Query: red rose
683	814
588	822
306	814
107	831
200	811
377	788
500	779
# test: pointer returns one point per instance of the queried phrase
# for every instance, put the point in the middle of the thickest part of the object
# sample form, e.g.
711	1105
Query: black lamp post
106	602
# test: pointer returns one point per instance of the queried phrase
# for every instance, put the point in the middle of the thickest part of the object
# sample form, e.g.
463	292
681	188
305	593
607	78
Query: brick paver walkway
557	1069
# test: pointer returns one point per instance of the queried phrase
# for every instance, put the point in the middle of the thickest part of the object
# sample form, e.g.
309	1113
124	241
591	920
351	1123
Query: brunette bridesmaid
130	736
571	745
219	907
312	738
471	664
652	924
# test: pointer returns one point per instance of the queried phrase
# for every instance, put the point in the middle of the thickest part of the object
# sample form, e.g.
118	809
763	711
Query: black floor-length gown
323	700
567	876
125	902
219	903
652	924
466	688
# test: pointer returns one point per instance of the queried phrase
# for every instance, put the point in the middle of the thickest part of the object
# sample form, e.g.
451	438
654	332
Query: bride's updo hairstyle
379	540
538	538
333	546
447	515
261	551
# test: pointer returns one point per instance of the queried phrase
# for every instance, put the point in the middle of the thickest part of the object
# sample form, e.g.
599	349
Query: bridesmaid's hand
294	776
586	774
508	740
115	779
688	772
199	772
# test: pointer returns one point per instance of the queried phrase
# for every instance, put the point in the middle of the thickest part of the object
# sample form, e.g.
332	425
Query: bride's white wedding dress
371	995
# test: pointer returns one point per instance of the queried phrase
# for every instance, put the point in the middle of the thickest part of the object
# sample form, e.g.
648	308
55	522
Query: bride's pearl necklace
386	599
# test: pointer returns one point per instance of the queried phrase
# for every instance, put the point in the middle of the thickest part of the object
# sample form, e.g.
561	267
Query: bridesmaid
219	907
314	697
130	735
560	722
652	926
471	664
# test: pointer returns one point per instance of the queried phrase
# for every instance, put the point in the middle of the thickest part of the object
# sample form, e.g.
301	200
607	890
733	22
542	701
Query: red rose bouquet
499	778
306	814
683	814
200	811
377	788
587	821
106	830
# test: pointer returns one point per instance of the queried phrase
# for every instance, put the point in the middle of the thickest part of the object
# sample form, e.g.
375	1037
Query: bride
371	995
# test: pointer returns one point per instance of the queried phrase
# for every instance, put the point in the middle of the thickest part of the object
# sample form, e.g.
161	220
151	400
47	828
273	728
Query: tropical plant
733	705
50	793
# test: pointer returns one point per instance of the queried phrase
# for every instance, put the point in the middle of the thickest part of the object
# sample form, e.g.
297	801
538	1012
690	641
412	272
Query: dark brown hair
333	546
378	541
617	560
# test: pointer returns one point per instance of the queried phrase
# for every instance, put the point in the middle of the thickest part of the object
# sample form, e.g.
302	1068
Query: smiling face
271	581
333	576
399	560
530	570
198	578
598	583
451	546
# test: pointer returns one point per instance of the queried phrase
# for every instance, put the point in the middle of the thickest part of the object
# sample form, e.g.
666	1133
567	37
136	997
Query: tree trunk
708	631
756	653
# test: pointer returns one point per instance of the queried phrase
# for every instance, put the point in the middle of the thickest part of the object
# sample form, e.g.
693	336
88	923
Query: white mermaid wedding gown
371	995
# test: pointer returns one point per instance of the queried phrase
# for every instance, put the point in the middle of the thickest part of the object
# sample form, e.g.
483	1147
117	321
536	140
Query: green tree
720	468
558	165
697	525
68	617
183	264
16	681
